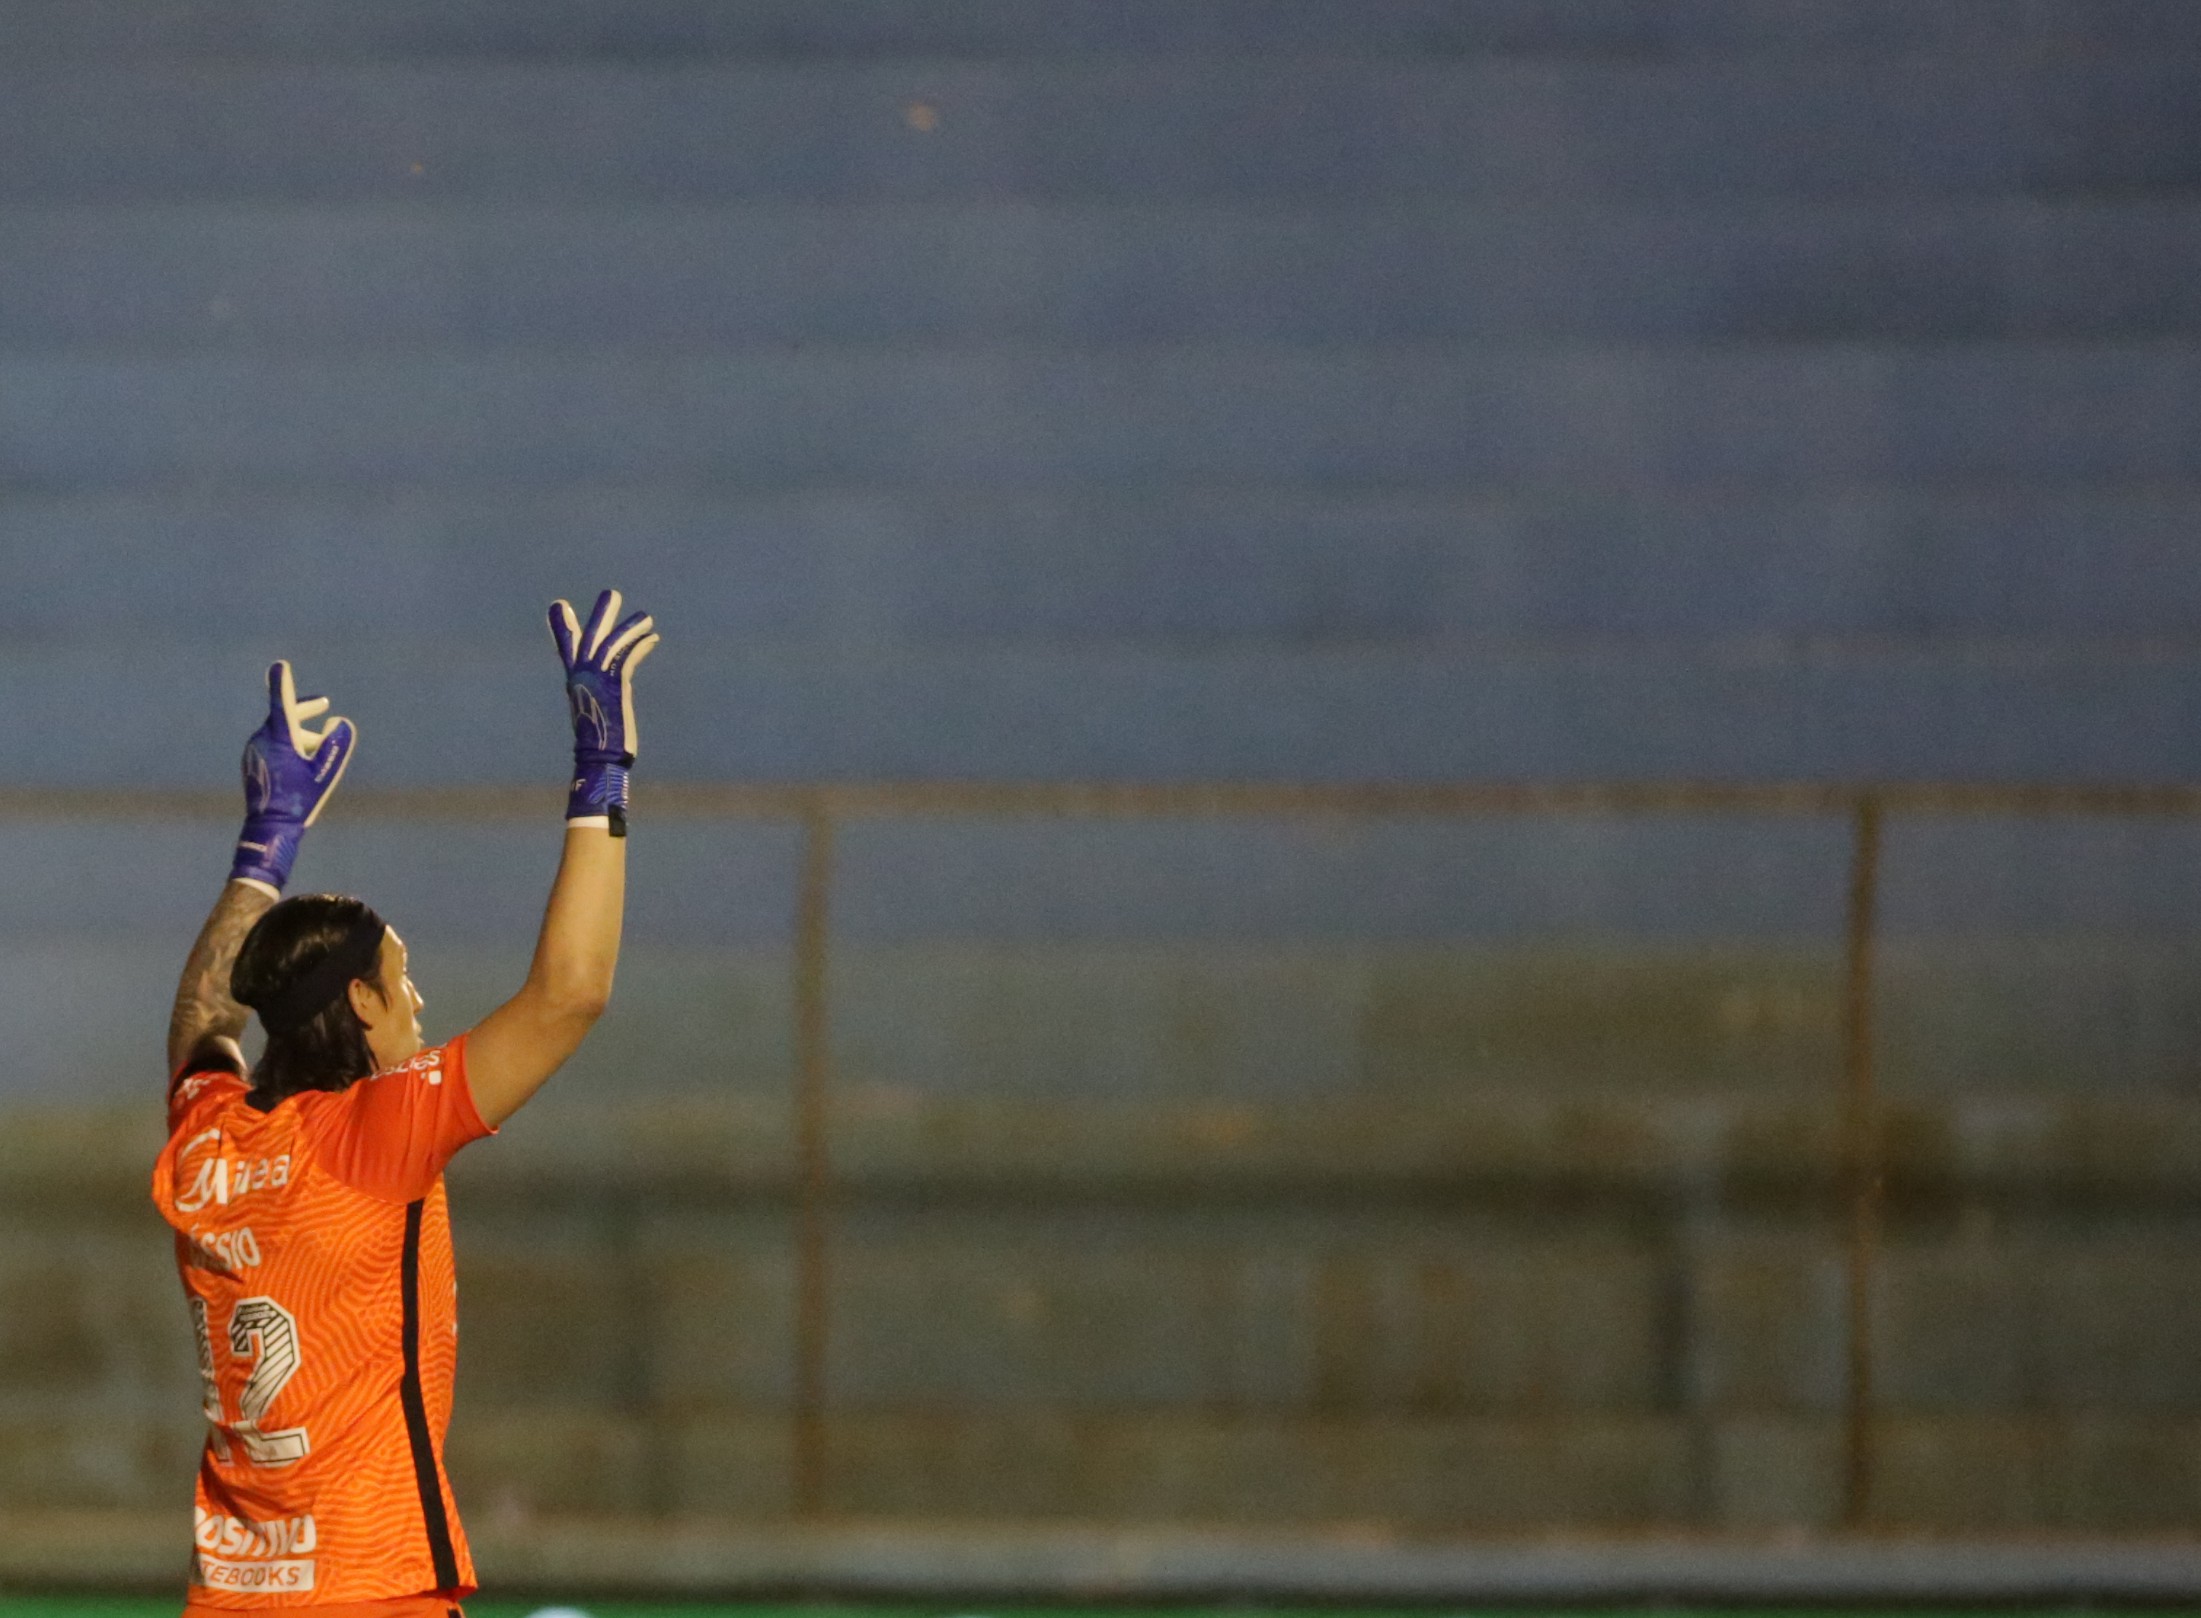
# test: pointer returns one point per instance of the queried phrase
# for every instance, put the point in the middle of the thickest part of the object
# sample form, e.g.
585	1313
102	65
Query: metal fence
1866	808
824	812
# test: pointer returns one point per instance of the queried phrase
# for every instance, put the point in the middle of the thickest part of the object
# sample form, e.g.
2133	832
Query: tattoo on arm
203	1010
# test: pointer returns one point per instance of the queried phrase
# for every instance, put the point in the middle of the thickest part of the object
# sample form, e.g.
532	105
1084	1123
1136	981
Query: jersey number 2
265	1332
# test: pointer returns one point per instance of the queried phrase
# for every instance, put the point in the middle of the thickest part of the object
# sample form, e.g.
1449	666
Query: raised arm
205	1023
289	772
528	1038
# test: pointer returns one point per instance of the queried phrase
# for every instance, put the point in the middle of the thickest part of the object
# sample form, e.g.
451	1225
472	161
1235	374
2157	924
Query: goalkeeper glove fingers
289	772
600	662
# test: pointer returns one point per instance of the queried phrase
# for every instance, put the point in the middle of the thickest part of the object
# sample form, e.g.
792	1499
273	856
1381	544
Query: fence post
1860	1159
813	1164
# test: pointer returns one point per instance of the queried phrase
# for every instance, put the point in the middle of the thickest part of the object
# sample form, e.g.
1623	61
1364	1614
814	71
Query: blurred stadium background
1292	929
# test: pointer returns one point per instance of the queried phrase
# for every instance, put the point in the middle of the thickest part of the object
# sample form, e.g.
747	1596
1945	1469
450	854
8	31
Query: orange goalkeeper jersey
314	1244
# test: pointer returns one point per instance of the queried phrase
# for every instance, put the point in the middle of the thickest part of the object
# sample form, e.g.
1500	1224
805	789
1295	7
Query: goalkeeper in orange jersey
306	1191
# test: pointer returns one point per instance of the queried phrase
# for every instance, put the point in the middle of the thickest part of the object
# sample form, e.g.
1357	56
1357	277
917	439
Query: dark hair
328	1051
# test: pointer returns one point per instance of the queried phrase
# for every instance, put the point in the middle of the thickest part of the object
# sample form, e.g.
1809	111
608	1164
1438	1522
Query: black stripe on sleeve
416	1415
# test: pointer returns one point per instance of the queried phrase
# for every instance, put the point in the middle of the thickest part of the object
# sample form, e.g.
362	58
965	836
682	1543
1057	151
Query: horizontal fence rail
1080	799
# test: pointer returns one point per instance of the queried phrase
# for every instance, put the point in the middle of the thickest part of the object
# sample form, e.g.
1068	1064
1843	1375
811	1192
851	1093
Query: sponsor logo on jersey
242	1537
206	1178
236	1553
217	1574
429	1064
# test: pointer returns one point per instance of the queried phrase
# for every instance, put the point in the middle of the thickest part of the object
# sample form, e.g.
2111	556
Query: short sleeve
392	1134
188	1089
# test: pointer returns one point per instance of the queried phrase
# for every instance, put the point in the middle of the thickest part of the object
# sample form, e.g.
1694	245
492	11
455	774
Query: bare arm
525	1040
528	1038
205	1022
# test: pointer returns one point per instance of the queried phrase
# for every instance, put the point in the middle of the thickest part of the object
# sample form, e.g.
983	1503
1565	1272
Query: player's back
314	1245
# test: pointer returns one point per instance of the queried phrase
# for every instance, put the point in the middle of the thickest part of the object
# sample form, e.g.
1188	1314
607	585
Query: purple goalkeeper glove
600	665
289	773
